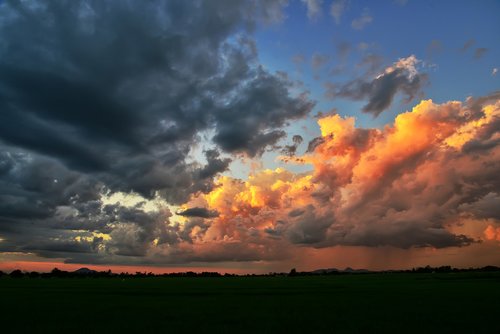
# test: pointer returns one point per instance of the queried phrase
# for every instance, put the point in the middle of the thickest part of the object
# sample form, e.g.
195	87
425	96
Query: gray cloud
485	207
308	226
479	52
291	150
467	45
198	212
371	62
343	49
97	91
99	97
380	91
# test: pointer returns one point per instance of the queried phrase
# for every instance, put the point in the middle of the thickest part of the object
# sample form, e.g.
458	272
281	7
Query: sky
249	136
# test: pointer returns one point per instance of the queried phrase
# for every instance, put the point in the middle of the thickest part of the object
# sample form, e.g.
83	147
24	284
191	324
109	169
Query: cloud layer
126	97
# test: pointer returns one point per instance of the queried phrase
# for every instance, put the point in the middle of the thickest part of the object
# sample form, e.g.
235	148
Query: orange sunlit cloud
400	187
492	233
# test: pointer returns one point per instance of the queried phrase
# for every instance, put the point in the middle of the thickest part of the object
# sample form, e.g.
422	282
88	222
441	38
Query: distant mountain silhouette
84	271
335	270
350	270
325	271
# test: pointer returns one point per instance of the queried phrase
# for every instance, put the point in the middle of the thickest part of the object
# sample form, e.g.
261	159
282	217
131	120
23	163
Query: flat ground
371	303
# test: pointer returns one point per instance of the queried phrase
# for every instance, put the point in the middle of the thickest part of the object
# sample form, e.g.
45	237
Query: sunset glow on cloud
247	136
390	187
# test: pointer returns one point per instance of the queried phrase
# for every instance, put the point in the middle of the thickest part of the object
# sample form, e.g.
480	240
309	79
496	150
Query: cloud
343	49
338	8
485	207
468	45
313	8
101	106
371	62
362	21
291	150
414	184
406	186
380	91
198	212
93	77
492	233
298	59
116	98
479	52
319	60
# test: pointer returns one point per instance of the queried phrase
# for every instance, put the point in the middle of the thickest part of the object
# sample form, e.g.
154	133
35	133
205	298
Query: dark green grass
373	303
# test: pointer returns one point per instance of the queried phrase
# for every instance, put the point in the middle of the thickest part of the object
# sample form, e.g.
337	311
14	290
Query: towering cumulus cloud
412	184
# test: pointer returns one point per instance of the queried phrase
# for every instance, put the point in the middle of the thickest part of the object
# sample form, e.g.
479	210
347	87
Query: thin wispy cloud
314	9
362	21
337	9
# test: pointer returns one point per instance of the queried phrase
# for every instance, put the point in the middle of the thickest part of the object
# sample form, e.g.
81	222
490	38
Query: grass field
372	303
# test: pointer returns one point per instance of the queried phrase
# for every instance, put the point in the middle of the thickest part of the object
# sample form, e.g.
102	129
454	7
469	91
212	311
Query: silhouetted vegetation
88	273
16	274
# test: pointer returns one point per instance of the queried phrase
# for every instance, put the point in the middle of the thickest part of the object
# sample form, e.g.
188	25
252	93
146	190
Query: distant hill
350	270
84	271
325	271
335	270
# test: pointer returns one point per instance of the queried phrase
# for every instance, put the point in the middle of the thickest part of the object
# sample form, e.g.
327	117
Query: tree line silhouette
88	273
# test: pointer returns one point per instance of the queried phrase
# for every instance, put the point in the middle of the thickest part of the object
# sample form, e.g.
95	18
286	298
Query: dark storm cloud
380	91
406	235
215	164
485	208
80	79
98	97
33	186
248	123
198	212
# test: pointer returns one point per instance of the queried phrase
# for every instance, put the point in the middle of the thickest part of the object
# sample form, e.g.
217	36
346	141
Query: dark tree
16	274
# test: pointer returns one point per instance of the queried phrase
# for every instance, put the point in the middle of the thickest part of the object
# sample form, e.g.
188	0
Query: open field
372	303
